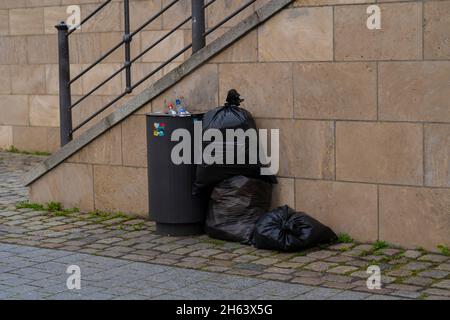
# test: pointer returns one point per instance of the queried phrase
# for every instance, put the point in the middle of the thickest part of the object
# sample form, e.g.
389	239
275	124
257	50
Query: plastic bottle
172	112
180	108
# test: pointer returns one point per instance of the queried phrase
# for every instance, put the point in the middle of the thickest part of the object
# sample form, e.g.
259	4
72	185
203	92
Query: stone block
437	155
44	111
437	29
244	50
306	147
414	91
26	21
134	141
335	91
100	73
28	79
379	152
406	213
345	207
266	96
177	13
106	149
299	34
122	189
13	49
5	80
6	137
107	20
69	183
52	16
4	23
31	138
400	36
167	48
284	193
199	90
13	110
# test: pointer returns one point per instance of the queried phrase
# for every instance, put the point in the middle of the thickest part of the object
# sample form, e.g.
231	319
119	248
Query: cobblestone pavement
337	271
35	273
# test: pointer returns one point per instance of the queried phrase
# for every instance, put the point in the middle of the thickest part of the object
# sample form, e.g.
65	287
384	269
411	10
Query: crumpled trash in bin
283	229
230	116
235	206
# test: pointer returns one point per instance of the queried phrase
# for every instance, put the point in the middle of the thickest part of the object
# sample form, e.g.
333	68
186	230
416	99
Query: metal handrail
198	42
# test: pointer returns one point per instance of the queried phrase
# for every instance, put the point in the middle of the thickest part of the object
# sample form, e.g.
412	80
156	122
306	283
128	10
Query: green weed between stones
54	208
13	149
380	245
100	216
444	250
345	238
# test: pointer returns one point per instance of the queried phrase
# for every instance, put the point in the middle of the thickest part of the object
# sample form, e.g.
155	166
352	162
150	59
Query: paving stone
438	292
418	281
320	266
400	273
435	274
337	278
308	281
414	266
444	266
360	274
342	269
349	295
267	261
390	252
279	270
403	287
302	259
444	284
339	259
433	258
275	276
341	246
320	294
412	254
289	265
339	285
205	253
320	255
364	247
245	258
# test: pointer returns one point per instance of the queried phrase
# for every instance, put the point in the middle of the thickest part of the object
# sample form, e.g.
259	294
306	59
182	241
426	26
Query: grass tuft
444	250
380	245
345	238
13	149
55	208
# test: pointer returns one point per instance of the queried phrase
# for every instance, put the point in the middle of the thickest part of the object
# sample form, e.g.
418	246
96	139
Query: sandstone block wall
29	105
364	119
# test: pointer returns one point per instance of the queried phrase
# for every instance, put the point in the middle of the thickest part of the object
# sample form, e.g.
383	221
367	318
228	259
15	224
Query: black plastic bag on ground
235	206
283	229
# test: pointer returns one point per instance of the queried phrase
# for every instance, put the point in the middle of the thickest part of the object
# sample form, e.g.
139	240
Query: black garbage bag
283	229
230	116
235	206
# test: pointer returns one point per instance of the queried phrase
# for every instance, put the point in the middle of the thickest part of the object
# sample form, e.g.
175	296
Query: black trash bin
176	211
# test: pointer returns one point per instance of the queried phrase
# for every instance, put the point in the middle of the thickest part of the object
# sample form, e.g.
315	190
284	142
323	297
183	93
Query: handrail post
127	40
65	114
198	25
